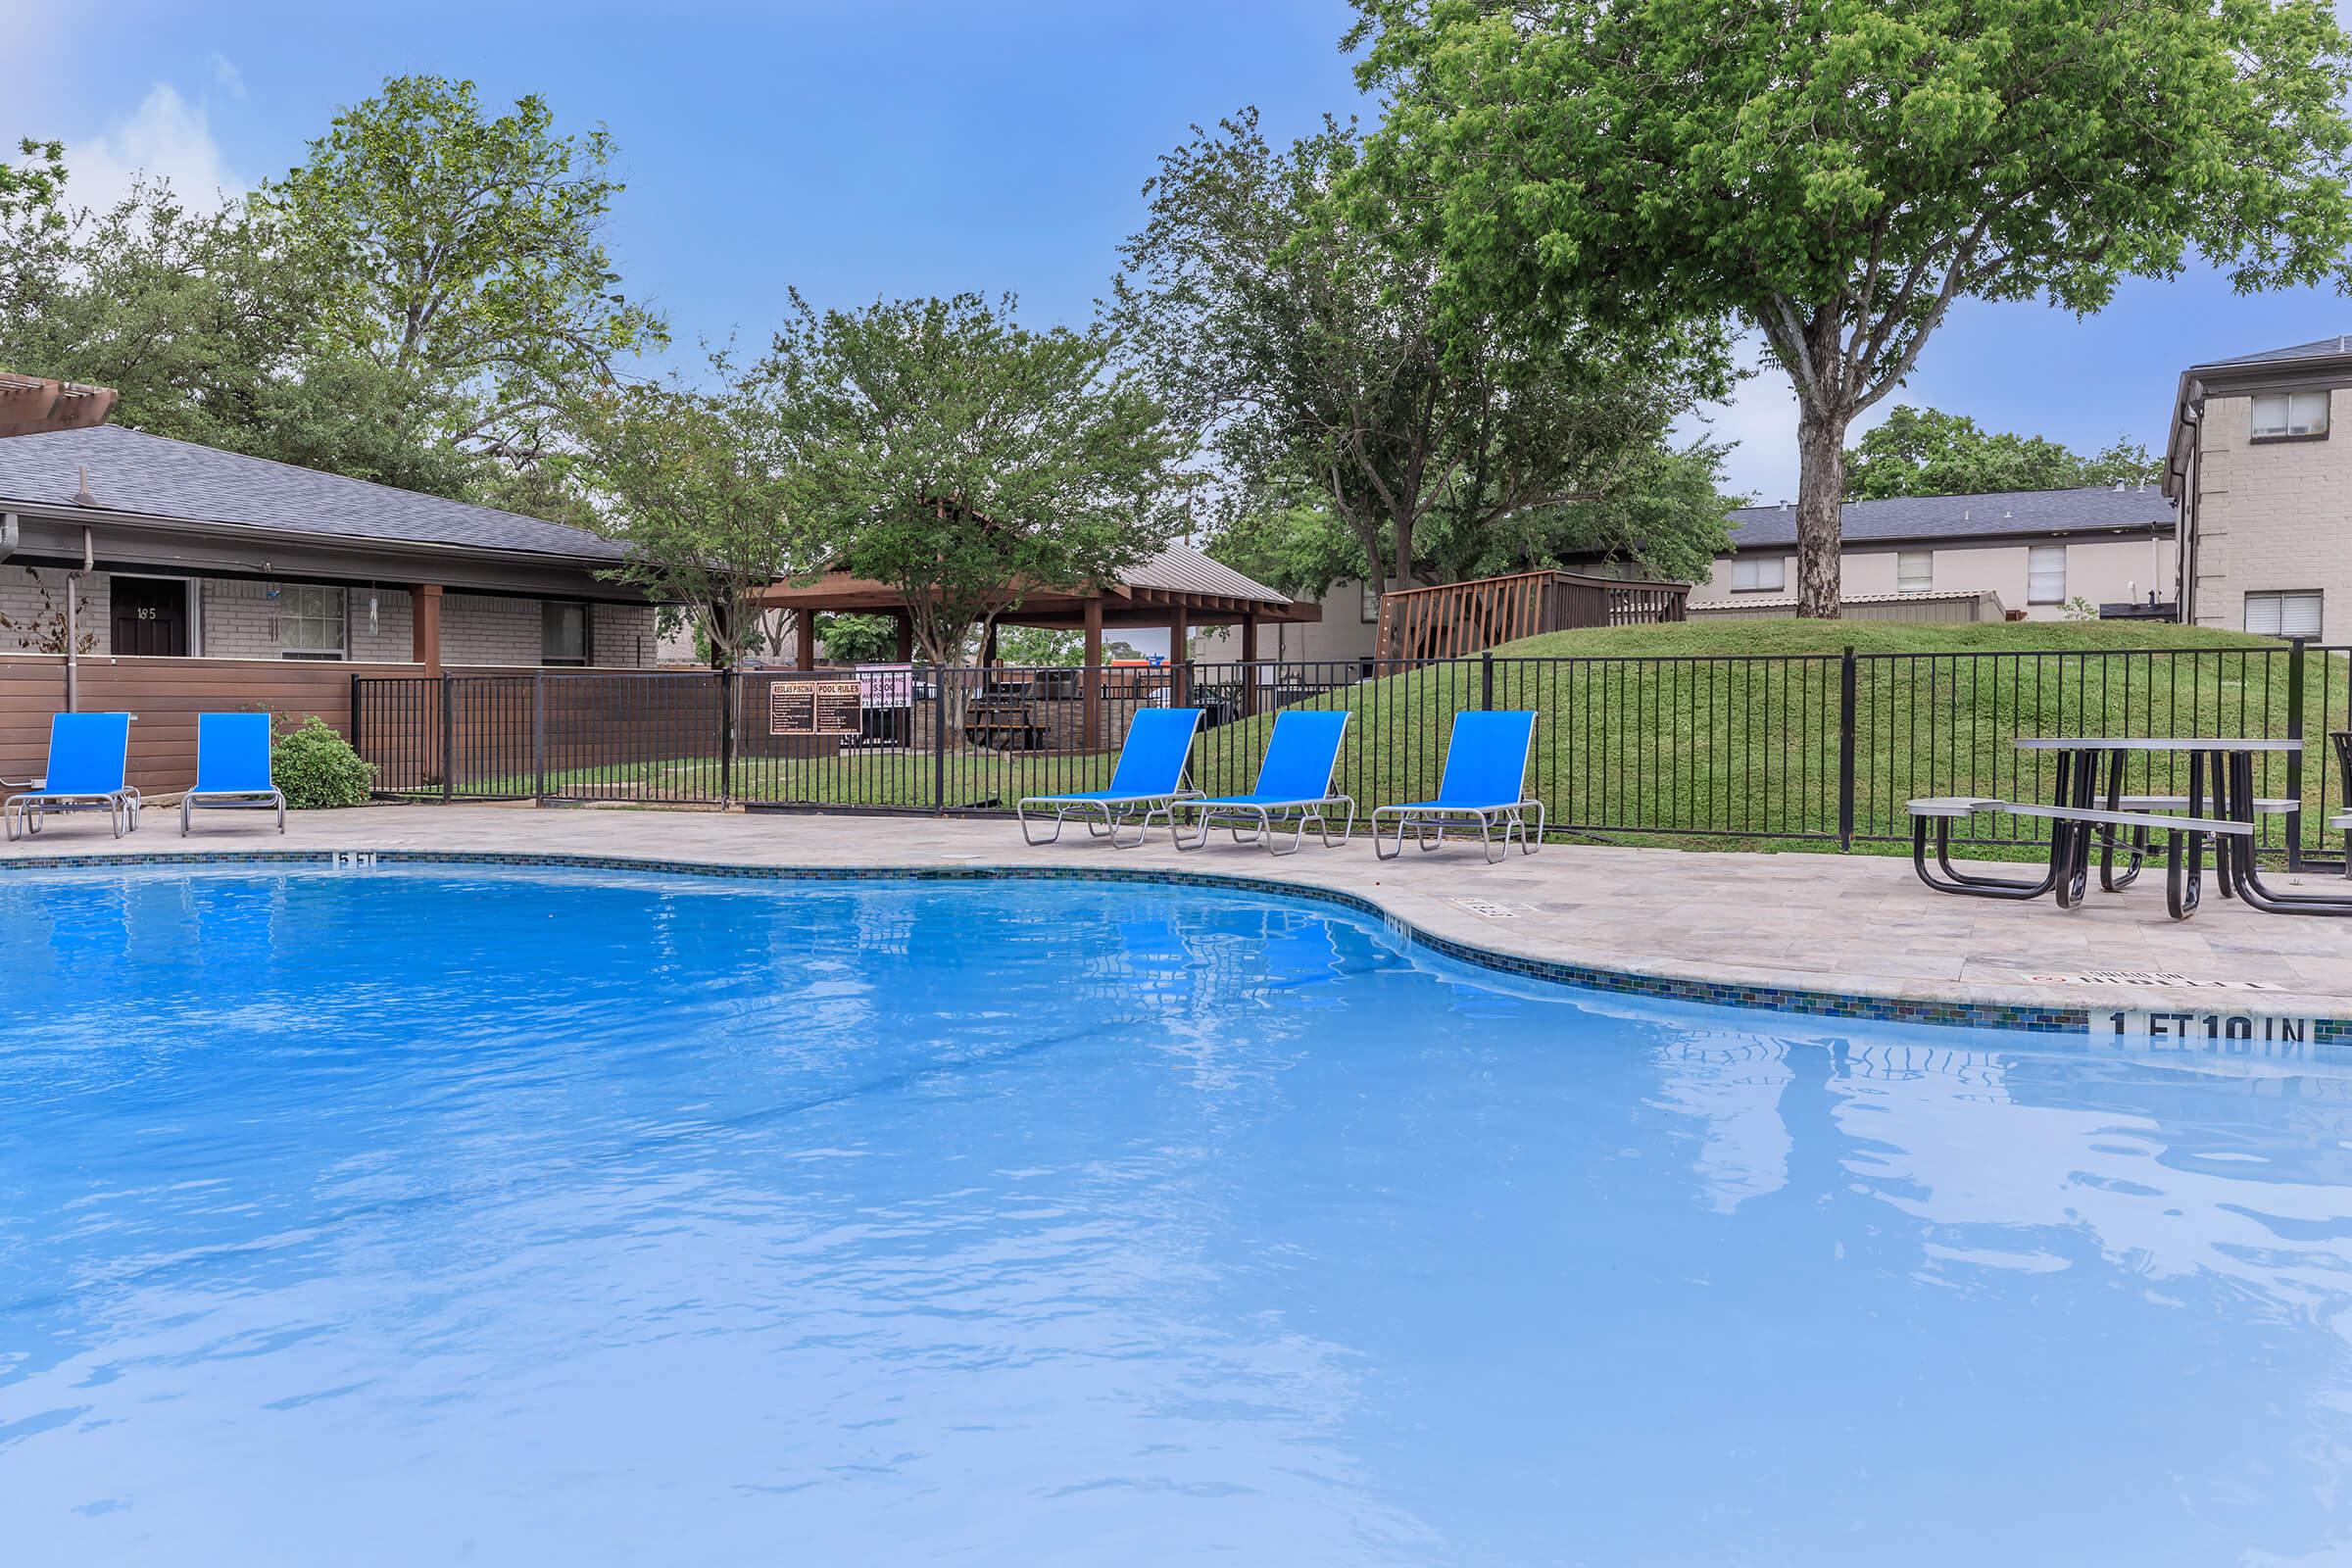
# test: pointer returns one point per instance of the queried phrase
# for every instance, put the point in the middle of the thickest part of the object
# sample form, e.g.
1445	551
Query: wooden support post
804	621
1248	663
1180	658
424	627
906	638
1091	707
988	647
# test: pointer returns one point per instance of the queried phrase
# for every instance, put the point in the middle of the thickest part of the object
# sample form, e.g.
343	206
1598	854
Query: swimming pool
555	1216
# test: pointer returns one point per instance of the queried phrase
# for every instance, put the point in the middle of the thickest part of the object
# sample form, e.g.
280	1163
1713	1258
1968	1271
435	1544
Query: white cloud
225	77
164	138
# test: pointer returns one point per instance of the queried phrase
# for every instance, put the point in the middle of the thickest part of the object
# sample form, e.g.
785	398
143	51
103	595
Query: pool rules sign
815	708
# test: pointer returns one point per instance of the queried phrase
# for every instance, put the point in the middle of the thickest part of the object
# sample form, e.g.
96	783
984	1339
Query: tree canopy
1667	516
1925	452
1306	336
462	251
414	305
968	460
1835	174
699	484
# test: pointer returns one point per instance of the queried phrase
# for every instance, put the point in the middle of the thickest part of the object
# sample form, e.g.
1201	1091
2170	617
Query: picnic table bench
2089	803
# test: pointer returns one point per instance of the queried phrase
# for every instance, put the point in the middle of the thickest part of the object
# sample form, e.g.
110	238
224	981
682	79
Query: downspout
2184	594
74	626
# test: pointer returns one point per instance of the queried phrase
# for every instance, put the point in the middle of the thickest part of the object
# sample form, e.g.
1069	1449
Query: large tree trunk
1400	539
1820	496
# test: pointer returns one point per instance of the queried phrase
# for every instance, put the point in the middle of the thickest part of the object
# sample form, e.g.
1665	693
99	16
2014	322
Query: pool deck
1847	925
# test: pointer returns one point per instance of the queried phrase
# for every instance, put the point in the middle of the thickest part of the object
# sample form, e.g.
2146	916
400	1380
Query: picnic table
2089	801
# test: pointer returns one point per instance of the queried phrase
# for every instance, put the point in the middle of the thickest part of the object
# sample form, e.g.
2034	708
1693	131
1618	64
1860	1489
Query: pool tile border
1803	1000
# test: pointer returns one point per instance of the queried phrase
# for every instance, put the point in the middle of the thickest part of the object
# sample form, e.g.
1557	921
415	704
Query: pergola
1178	588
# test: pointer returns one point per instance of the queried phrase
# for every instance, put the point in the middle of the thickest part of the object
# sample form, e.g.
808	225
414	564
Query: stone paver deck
1850	924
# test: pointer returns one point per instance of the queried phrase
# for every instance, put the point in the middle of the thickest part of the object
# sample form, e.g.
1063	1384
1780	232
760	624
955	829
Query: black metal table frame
2236	863
2091	779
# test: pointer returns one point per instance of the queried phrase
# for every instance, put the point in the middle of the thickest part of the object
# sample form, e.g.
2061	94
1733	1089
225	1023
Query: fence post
539	737
939	740
1845	749
1486	681
2295	758
727	700
449	739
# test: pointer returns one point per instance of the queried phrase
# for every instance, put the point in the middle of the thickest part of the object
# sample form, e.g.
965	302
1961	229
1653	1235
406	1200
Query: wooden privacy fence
166	695
1455	619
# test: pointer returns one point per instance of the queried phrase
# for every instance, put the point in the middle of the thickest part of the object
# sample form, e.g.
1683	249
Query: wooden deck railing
1455	619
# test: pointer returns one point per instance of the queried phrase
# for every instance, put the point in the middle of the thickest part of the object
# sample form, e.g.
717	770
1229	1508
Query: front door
151	617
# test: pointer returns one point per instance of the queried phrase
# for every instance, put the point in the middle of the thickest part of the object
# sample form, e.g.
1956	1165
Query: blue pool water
423	1216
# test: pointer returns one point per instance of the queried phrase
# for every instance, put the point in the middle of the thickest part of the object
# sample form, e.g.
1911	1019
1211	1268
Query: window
1914	570
2045	575
1368	603
310	622
562	633
1756	575
2284	614
2282	415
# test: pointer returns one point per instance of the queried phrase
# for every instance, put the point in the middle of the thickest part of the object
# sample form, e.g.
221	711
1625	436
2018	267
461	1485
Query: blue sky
898	147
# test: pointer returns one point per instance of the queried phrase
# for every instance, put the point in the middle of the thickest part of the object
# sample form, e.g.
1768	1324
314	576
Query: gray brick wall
623	635
20	590
239	620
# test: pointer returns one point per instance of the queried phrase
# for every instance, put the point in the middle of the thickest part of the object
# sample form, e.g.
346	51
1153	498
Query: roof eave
113	516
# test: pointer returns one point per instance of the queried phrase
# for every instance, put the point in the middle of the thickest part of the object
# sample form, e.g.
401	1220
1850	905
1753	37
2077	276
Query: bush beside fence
1799	748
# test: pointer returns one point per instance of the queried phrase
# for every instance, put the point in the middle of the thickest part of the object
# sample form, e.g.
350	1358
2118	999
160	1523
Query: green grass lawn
1720	733
1728	732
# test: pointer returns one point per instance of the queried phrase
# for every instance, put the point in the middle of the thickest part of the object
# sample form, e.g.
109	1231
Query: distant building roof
2003	513
2321	349
135	472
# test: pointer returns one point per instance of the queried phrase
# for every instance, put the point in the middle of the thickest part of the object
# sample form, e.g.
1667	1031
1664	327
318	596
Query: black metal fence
1804	748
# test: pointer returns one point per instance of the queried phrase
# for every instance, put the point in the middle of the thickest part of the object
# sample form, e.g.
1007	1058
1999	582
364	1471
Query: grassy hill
1722	733
1731	729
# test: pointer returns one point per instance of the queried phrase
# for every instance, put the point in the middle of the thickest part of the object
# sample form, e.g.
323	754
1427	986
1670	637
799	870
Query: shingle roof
133	471
2097	510
2324	348
1180	568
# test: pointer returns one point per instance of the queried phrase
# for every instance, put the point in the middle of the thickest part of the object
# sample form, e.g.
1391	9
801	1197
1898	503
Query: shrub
315	767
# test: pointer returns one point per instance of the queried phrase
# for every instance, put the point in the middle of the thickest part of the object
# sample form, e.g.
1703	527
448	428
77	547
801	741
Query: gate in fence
1806	748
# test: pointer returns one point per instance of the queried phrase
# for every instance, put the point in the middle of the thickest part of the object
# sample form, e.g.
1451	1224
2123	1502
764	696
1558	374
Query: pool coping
1655	984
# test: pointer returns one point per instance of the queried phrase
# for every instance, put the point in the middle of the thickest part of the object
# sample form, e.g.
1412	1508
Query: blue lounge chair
232	768
88	755
1295	780
1484	782
1149	780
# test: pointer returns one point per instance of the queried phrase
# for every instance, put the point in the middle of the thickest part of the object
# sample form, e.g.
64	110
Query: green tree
1298	548
965	459
1836	173
33	225
1666	517
202	322
462	252
1925	452
1043	648
699	483
1309	338
859	639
